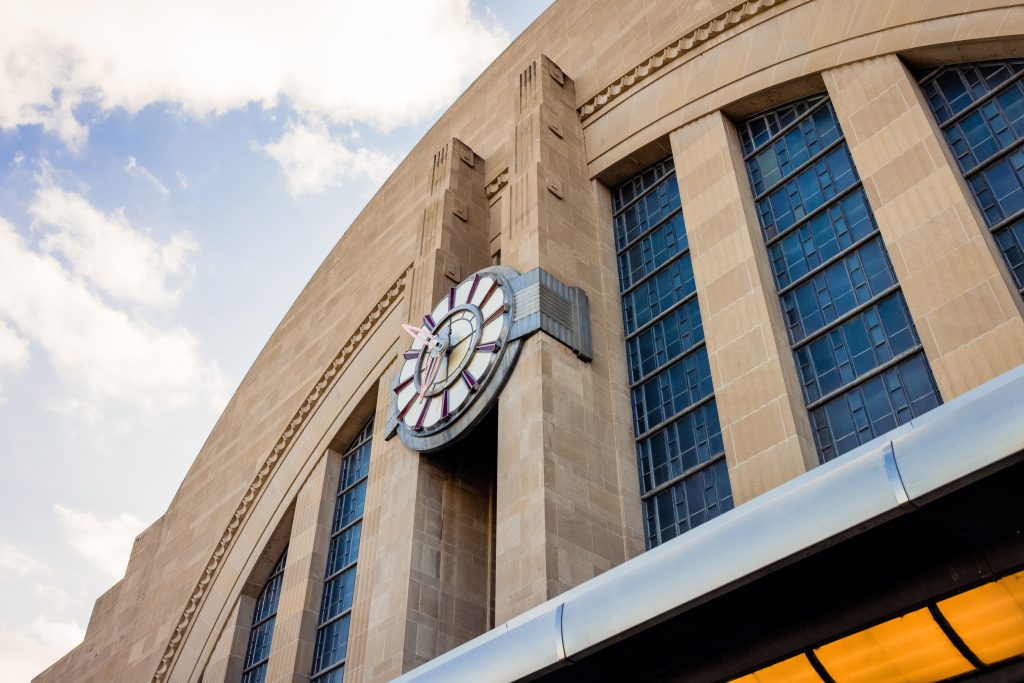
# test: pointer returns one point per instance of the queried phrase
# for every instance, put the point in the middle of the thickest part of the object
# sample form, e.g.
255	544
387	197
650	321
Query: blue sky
171	174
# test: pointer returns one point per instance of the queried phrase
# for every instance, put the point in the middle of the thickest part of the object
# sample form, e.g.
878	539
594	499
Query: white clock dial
454	352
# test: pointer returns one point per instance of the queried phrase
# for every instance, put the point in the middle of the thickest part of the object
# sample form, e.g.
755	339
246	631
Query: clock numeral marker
451	298
472	290
423	415
411	355
429	323
469	379
494	316
444	405
489	346
487	296
402	385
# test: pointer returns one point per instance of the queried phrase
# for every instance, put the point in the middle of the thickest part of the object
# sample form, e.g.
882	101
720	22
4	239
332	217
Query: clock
459	358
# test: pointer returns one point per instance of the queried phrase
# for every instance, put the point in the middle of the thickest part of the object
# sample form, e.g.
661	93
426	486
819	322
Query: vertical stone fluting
957	288
567	508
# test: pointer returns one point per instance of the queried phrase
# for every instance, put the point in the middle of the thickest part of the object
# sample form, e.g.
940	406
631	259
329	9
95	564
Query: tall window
857	352
980	108
257	653
684	480
340	575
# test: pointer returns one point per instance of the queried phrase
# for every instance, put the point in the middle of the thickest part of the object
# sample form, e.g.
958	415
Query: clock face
454	353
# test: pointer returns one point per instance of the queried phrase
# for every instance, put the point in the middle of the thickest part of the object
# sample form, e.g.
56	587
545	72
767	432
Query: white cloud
25	652
139	171
13	349
314	160
121	260
182	179
102	351
385	63
104	543
14	560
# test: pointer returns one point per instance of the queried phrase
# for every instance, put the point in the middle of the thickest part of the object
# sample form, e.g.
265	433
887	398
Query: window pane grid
847	321
340	573
257	651
980	108
681	464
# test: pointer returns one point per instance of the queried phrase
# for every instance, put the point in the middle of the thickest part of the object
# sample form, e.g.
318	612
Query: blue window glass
665	339
872	408
836	290
340	575
980	108
688	503
846	318
684	480
257	652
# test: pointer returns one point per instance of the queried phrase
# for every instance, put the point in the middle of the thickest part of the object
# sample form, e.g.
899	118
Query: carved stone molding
672	53
496	185
312	399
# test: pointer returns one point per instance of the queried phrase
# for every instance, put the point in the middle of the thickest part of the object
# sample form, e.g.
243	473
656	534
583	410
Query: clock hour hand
418	333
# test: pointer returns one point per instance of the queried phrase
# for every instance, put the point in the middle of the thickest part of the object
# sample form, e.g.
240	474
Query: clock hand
435	363
418	333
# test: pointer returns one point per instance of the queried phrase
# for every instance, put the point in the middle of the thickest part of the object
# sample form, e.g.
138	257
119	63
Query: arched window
340	575
257	653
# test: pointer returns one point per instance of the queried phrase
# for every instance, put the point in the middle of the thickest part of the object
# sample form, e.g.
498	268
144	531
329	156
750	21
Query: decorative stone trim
726	20
312	399
496	185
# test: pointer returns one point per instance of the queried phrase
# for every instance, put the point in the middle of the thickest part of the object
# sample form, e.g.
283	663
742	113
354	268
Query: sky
171	175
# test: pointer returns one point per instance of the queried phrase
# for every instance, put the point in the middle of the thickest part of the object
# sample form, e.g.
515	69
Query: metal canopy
912	466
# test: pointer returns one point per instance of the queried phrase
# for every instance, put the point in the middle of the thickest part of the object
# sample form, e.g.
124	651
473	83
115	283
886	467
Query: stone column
959	292
291	649
403	614
568	505
765	428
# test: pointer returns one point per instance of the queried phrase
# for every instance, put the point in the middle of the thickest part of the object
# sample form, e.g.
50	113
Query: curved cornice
312	399
723	22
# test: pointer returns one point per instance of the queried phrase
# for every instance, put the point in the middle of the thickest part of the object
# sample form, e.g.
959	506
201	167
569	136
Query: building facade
738	250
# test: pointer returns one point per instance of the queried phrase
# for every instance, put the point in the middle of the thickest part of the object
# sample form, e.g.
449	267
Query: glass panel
658	294
838	227
796	147
689	503
647	211
339	586
761	128
672	382
875	336
840	288
680	446
956	88
884	402
664	340
262	632
645	255
331	644
672	390
1011	243
807	191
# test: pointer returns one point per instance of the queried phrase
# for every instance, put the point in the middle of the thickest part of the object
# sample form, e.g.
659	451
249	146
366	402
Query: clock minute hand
428	379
